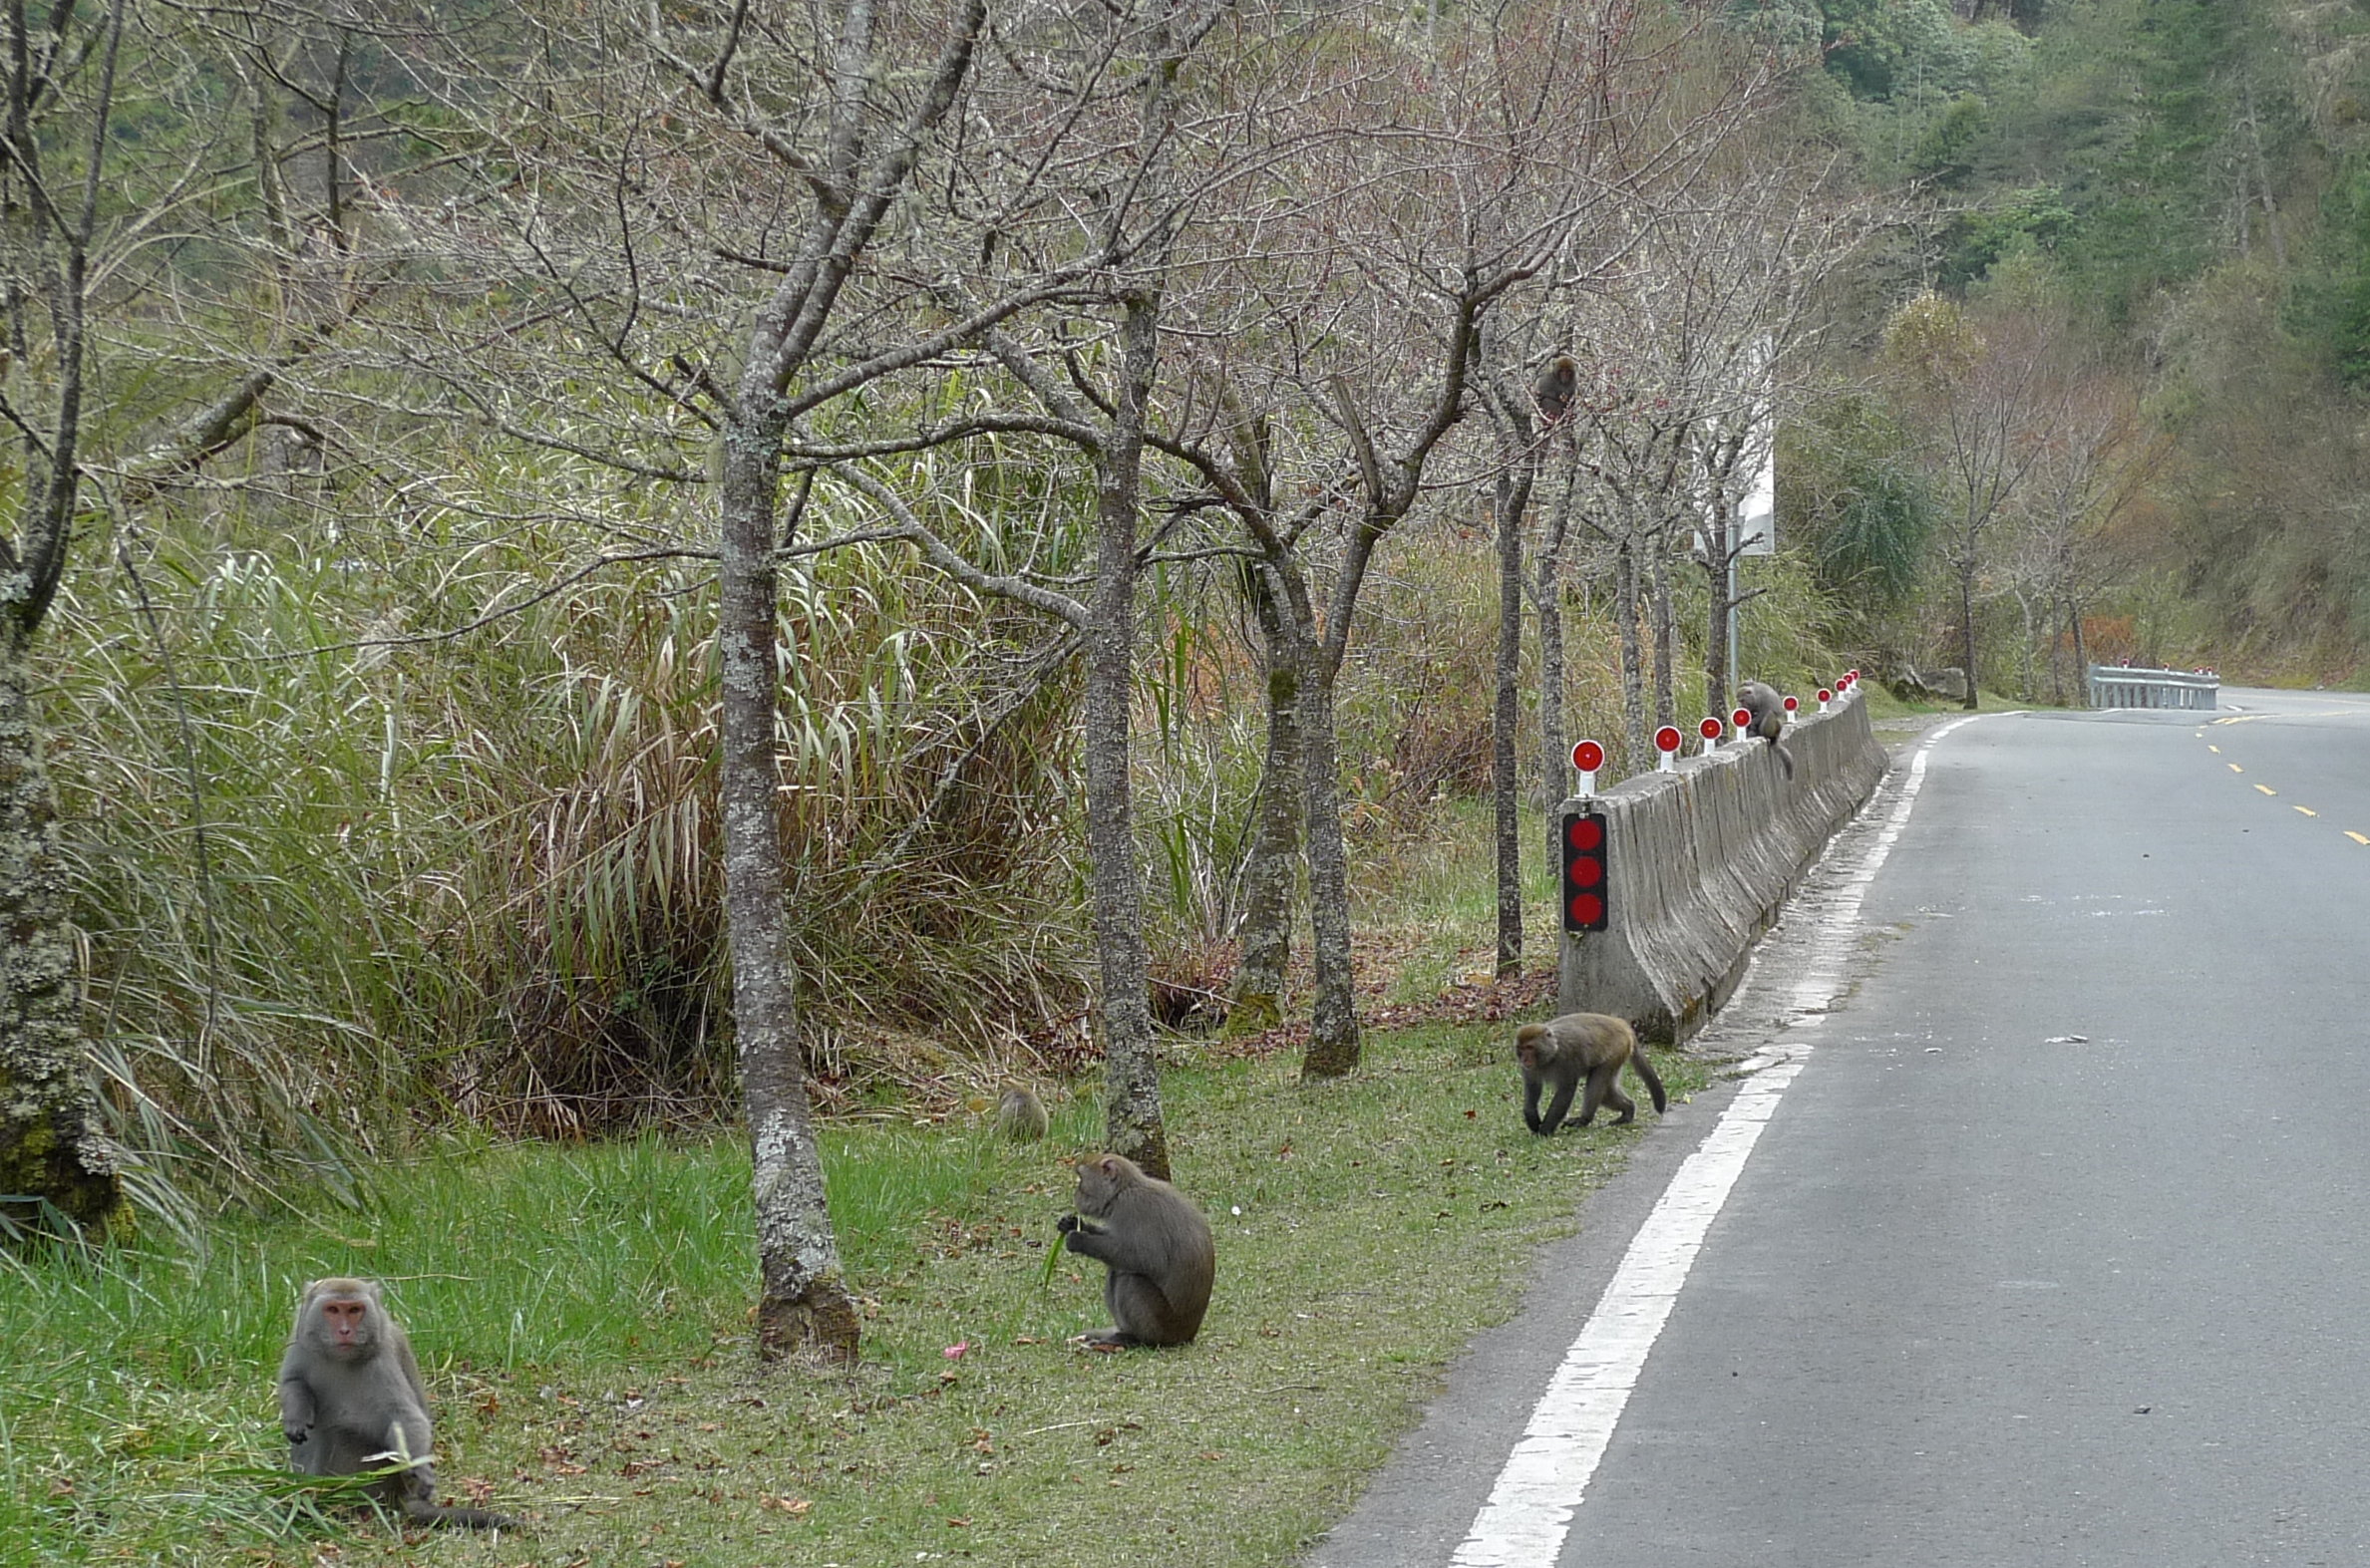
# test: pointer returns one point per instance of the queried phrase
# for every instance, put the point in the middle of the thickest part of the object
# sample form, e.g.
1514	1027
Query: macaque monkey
1769	717
1565	1050
1555	389
1155	1245
351	1399
1021	1116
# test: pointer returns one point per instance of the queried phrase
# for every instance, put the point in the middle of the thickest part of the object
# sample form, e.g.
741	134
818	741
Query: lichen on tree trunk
1131	1082
1255	1001
1333	1038
55	1155
804	1302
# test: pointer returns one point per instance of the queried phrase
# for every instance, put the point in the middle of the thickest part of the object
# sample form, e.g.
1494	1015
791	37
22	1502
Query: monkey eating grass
1768	710
1565	1050
1154	1244
351	1400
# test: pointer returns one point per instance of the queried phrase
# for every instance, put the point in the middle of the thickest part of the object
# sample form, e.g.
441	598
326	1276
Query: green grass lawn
583	1315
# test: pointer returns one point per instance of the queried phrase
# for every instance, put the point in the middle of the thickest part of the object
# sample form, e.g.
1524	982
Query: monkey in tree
351	1399
1155	1245
1769	717
1555	388
1020	1116
1565	1050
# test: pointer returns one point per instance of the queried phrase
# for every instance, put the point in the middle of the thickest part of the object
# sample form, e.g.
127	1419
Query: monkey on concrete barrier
1154	1244
351	1399
1769	717
1562	1051
1020	1116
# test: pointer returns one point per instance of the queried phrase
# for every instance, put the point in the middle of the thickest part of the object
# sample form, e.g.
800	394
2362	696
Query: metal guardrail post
2118	686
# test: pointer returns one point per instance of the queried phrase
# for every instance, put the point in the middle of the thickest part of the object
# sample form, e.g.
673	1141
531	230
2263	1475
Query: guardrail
1695	863
2114	686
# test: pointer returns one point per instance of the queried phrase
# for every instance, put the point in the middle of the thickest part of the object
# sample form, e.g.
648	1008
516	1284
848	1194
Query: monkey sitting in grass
1155	1245
351	1400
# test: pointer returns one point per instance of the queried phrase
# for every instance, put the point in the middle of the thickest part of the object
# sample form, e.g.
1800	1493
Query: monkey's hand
1066	1224
295	1435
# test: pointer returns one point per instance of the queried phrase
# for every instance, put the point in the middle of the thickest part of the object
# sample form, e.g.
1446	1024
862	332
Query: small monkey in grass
1021	1115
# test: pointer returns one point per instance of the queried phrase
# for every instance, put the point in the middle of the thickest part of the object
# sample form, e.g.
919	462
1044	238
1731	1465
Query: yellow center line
2356	837
2234	768
2267	789
2211	747
2308	811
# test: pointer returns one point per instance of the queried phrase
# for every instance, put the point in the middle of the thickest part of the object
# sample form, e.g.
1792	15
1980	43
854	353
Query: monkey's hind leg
1621	1103
1601	1091
1139	1313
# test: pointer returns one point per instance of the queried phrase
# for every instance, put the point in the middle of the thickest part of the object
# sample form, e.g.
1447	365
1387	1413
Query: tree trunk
56	1160
53	1149
1967	623
803	1302
2081	656
1554	746
1513	498
1256	999
1666	639
1554	778
1333	1044
1132	1084
1633	659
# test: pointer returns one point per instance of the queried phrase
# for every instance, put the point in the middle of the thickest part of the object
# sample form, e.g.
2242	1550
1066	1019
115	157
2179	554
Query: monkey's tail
1645	1070
456	1518
1782	757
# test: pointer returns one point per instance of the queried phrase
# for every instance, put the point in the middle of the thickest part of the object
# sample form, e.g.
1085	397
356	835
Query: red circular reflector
1587	909
1584	873
1588	756
1741	718
1666	739
1587	832
1824	694
1792	705
1709	729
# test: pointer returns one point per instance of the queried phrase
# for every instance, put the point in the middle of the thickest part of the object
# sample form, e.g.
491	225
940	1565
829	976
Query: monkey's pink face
347	1319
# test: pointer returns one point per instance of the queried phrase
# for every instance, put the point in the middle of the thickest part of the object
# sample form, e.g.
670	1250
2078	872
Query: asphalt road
2055	1247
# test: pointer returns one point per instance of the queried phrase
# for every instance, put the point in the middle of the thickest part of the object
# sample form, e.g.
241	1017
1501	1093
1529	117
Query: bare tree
1984	395
2095	462
1086	362
1488	145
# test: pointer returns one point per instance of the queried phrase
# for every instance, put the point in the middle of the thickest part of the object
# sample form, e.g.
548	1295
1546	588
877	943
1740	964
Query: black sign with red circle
1587	895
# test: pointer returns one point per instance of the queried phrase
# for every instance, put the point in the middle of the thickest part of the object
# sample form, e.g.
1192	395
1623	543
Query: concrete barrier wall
1698	863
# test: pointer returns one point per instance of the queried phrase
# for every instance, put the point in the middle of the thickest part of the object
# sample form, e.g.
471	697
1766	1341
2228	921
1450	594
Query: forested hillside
2171	194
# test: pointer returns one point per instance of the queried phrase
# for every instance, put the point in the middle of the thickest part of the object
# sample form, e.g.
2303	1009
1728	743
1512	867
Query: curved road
2055	1247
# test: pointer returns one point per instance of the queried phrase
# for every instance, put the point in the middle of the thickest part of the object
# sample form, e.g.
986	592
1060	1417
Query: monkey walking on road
1562	1051
1769	717
1156	1246
351	1399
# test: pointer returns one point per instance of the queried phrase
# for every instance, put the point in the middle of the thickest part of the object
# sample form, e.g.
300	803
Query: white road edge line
1545	1477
